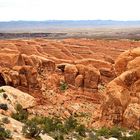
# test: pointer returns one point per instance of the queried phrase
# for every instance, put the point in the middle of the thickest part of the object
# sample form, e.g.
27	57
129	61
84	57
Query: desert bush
2	90
4	106
92	136
127	138
5	120
49	124
5	134
58	135
5	95
19	107
115	132
63	86
103	132
136	39
52	124
21	114
57	128
81	130
31	130
38	120
70	123
135	136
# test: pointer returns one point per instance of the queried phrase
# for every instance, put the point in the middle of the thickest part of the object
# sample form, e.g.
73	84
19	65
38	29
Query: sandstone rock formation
122	93
131	116
20	76
81	76
15	128
127	60
38	66
70	74
12	96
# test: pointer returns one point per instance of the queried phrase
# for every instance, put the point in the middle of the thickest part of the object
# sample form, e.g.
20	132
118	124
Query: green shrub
5	120
103	132
58	135
136	135
19	107
4	106
81	130
63	86
31	130
2	90
115	132
52	124
21	114
59	129
49	124
38	120
70	123
92	136
5	95
127	138
4	134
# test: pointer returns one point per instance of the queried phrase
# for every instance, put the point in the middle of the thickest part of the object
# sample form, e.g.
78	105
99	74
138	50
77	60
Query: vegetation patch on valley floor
67	129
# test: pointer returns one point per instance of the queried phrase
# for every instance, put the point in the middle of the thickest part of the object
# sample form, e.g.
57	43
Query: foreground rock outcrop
11	97
122	93
14	126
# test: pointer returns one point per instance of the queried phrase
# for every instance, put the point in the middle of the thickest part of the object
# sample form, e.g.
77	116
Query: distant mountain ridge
39	26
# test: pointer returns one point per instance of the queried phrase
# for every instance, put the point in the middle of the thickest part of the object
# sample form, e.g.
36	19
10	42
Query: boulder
28	76
20	76
91	78
129	77
10	97
136	87
117	92
35	61
49	64
70	74
107	72
81	69
43	62
105	69
133	63
16	96
15	79
123	63
109	59
26	59
88	76
131	116
79	81
61	66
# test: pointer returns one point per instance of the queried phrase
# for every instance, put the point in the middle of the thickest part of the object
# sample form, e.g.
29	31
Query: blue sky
69	10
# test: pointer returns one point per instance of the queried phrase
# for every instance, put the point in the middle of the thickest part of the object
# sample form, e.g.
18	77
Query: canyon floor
96	80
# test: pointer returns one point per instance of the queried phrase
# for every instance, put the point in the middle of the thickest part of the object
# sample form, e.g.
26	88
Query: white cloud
69	9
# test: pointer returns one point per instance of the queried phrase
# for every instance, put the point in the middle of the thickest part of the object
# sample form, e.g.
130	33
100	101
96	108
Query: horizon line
70	20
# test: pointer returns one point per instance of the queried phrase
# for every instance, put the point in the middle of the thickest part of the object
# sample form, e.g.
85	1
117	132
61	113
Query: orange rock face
96	79
122	100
